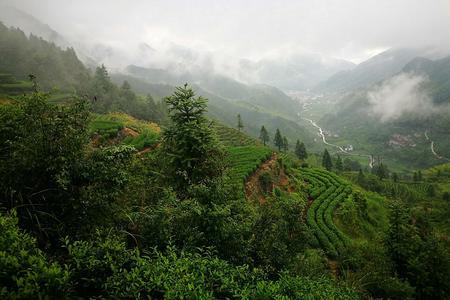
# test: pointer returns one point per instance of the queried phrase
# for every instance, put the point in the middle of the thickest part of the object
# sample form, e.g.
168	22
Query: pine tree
264	135
395	177
278	140
361	177
446	196
382	171
326	160
240	124
415	177
192	152
419	175
300	150
102	80
339	165
285	144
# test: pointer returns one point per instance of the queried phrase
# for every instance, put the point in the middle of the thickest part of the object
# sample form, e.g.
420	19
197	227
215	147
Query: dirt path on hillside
148	149
252	183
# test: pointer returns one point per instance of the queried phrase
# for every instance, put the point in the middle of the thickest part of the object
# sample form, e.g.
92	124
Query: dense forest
110	193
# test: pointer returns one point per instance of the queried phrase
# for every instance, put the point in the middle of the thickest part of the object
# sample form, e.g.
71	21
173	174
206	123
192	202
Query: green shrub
265	180
25	272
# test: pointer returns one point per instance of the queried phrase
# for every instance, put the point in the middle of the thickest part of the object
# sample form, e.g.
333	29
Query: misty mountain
226	110
258	104
260	95
290	72
13	17
22	55
373	70
437	73
389	118
297	71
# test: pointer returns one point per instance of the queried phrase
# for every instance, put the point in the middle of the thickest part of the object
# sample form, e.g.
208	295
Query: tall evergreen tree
361	177
326	160
395	177
127	93
278	140
264	135
446	196
193	153
339	165
285	144
102	80
240	124
300	150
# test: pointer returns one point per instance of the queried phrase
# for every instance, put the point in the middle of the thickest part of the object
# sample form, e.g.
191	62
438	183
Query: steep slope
267	97
437	74
30	25
225	110
14	17
51	65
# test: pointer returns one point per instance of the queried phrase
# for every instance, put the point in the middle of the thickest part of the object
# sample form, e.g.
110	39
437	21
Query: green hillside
225	110
10	86
232	137
173	212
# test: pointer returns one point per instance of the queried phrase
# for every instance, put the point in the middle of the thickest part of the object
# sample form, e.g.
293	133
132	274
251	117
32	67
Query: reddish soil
128	132
147	149
333	267
252	184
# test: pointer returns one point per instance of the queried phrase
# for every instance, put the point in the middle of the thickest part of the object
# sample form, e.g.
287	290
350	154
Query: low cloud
400	95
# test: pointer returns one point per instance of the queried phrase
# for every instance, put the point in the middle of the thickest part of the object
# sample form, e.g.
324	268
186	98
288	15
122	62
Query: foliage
339	165
193	154
328	191
264	135
169	224
243	161
300	150
280	234
25	272
240	124
278	140
265	181
52	66
418	255
285	144
57	186
107	97
326	160
231	137
42	147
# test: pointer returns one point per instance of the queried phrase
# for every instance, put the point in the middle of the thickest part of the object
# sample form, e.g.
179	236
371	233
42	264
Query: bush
25	272
265	180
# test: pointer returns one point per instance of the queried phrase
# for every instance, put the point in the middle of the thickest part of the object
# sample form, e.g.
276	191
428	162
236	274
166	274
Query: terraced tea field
232	137
245	160
137	133
326	190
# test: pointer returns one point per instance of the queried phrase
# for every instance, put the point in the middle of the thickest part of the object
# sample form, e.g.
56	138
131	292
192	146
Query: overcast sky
348	29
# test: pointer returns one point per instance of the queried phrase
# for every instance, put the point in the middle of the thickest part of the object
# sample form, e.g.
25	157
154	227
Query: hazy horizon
349	30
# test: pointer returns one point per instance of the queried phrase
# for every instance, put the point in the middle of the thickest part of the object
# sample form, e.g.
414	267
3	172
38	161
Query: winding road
305	107
432	148
324	140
